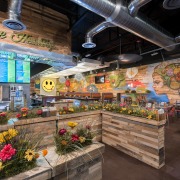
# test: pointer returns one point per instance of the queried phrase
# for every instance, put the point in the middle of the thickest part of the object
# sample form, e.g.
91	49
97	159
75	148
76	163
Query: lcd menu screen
22	71
7	70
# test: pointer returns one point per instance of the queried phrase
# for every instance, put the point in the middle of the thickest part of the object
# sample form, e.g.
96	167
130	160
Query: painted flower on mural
170	72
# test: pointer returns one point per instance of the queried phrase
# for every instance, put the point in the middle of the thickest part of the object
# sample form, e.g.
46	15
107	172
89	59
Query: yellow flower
72	124
129	112
149	117
4	136
142	110
82	139
30	154
1	166
24	114
63	142
12	133
44	152
123	109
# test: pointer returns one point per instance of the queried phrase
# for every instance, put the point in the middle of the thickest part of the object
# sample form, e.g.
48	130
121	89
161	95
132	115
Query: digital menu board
22	71
7	70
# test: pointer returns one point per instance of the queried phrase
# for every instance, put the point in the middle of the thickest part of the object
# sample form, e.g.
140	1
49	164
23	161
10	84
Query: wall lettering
29	39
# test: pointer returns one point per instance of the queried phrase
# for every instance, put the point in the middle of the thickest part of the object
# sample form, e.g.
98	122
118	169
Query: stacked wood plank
142	140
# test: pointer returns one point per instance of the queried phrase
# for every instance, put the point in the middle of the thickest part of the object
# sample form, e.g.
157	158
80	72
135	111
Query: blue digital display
7	70
4	70
22	71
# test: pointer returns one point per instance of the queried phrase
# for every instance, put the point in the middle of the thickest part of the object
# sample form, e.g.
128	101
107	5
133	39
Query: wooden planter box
138	137
79	164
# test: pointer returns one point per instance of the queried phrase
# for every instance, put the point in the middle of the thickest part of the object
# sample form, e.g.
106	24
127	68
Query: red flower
39	112
62	131
88	127
7	152
3	114
18	115
74	138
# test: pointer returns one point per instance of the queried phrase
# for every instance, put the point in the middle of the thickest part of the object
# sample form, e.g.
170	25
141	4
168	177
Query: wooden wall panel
42	22
140	140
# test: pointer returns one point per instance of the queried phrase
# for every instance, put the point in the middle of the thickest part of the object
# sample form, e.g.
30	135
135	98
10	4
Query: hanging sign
29	39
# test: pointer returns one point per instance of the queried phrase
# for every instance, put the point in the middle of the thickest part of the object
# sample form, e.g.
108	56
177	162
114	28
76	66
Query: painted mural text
28	39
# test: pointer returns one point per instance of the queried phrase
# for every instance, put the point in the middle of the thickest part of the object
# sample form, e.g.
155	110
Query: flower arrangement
3	118
95	106
132	110
25	113
72	138
18	152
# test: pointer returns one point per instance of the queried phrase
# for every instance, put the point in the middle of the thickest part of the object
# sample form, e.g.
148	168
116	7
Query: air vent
171	4
14	25
89	45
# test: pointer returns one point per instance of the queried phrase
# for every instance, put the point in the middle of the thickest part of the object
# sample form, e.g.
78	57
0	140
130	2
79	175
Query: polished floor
119	166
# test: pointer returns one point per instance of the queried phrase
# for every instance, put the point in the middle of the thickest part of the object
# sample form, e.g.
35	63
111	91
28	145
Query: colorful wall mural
160	82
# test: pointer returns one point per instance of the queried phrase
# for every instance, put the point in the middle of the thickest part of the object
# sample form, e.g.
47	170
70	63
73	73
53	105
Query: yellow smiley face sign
48	85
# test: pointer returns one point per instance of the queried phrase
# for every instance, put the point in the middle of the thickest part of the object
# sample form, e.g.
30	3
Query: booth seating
107	97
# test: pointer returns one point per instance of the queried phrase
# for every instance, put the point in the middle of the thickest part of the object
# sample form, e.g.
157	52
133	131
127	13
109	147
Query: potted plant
3	118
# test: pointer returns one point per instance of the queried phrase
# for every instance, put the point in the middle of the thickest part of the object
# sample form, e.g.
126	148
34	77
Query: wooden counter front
138	137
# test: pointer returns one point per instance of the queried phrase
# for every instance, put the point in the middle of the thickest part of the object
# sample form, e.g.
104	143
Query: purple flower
62	131
170	72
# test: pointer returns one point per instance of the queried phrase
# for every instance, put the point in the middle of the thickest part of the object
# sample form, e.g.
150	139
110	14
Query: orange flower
24	109
63	142
37	155
44	152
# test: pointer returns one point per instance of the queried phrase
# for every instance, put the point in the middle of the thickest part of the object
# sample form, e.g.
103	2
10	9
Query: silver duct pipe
171	4
135	5
14	21
116	12
93	31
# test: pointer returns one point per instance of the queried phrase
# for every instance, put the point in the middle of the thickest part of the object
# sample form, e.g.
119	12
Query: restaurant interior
111	66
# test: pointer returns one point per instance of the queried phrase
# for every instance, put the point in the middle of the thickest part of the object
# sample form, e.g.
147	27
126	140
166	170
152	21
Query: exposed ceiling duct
45	57
14	21
116	12
171	4
135	5
93	31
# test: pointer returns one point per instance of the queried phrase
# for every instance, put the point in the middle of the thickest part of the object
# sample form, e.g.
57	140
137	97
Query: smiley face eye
50	83
46	83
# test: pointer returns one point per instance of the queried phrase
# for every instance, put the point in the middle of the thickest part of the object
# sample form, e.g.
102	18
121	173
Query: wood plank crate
144	141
